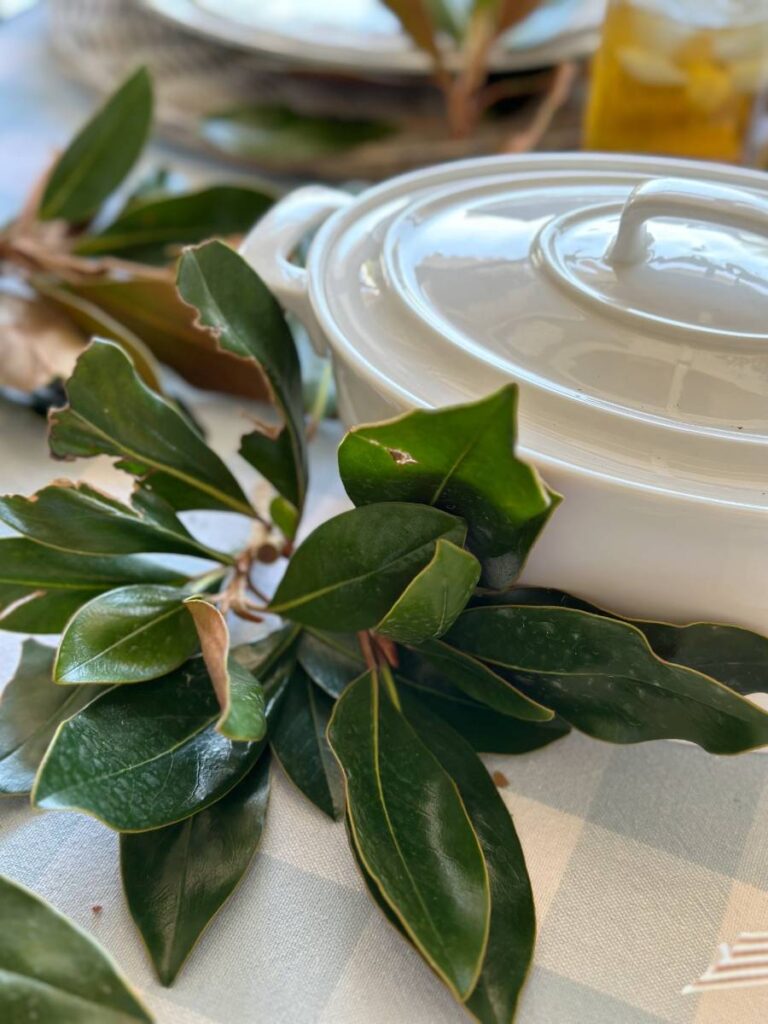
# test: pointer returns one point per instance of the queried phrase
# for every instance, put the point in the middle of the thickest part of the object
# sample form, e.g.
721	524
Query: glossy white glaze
644	379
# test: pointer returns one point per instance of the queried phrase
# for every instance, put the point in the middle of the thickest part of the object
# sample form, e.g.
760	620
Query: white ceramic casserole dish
627	296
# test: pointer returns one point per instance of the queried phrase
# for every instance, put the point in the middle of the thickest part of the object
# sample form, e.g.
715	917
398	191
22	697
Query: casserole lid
628	296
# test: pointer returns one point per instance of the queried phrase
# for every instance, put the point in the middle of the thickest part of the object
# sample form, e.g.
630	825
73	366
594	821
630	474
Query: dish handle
273	240
691	200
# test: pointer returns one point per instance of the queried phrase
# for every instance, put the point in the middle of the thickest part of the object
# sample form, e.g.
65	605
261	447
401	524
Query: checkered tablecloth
643	859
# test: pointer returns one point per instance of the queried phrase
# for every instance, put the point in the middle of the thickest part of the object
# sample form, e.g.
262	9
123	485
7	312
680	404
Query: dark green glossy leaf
487	731
263	655
513	919
236	306
40	588
31	708
270	133
461	460
52	972
150	231
413	833
83	520
331	660
152	310
112	412
144	756
101	154
176	879
439	661
373	890
601	675
351	569
240	694
434	598
298	740
730	654
127	635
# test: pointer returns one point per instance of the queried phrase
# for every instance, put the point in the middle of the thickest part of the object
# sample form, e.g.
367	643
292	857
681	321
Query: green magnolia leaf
299	743
274	133
484	729
601	675
94	321
352	568
145	756
461	460
283	514
434	598
240	694
79	518
413	833
40	588
236	306
436	660
730	654
149	231
513	919
127	635
102	153
152	310
263	656
331	660
52	972
176	879
31	709
112	412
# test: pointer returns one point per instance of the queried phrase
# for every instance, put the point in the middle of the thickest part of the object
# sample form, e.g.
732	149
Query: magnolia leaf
177	878
94	321
416	18
101	154
238	692
112	412
149	231
513	919
503	14
284	515
145	756
436	660
127	635
484	729
52	972
269	133
40	588
601	675
38	343
351	569
152	310
79	518
262	656
462	460
31	708
298	741
240	312
732	655
434	598
331	660
413	833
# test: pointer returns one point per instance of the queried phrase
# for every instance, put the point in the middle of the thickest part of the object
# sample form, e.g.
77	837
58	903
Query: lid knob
684	198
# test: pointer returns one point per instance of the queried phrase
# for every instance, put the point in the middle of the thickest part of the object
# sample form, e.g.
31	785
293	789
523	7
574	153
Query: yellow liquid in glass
661	86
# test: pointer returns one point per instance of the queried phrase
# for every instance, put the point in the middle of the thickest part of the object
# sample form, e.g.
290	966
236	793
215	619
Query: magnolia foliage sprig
89	256
403	646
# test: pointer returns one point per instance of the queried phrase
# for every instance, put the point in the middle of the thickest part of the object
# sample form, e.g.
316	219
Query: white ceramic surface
642	362
364	36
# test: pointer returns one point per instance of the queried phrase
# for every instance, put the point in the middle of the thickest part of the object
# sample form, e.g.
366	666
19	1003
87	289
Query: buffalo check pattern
644	860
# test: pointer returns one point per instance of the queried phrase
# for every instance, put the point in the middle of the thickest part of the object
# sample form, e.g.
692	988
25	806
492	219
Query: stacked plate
364	37
327	90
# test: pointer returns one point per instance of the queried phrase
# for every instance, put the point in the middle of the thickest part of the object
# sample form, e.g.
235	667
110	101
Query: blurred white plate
363	35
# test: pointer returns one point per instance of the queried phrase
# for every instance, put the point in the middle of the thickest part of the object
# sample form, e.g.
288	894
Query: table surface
643	859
